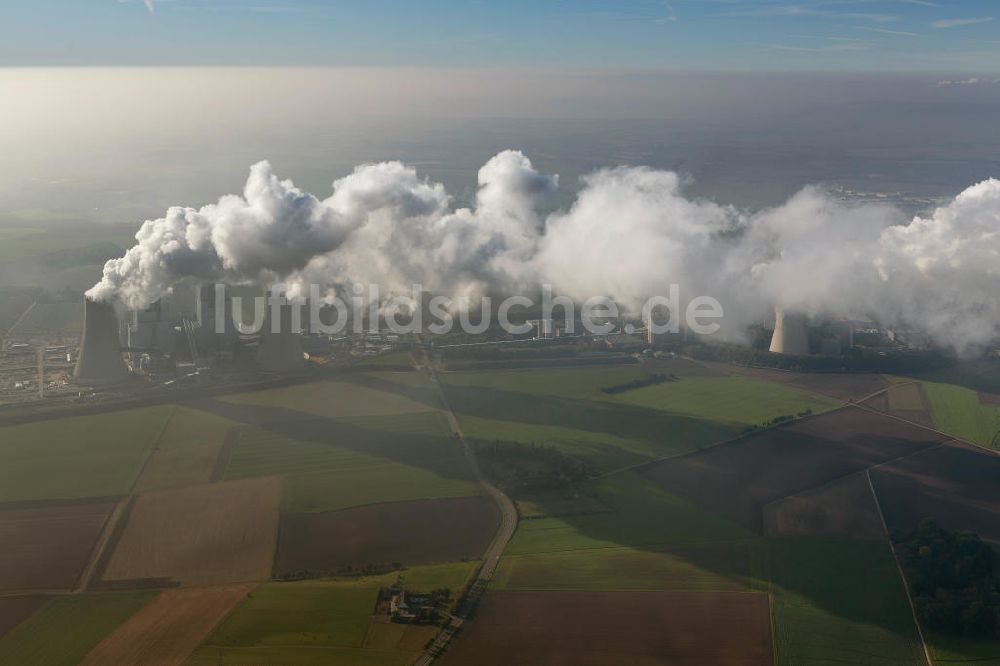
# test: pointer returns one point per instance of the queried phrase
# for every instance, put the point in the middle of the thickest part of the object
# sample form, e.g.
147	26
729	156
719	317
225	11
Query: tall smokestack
100	361
281	351
790	335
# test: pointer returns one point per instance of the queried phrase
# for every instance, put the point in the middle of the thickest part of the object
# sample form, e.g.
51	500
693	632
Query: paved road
508	523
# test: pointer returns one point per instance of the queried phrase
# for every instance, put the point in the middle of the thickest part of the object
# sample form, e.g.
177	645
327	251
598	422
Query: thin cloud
956	23
900	33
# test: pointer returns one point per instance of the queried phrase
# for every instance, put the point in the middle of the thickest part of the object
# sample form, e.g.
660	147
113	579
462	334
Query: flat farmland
733	566
845	507
46	545
364	394
962	412
597	628
642	514
52	318
326	623
67	628
737	478
840	601
216	533
314	444
14	610
169	628
565	408
187	451
415	532
85	456
955	485
840	386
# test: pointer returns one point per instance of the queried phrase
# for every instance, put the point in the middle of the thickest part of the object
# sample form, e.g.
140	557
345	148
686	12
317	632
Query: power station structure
281	350
100	362
791	335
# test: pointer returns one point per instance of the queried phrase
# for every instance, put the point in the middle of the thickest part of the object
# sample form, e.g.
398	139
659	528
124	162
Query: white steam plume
630	233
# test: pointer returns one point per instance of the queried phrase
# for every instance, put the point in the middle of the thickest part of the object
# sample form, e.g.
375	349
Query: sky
954	36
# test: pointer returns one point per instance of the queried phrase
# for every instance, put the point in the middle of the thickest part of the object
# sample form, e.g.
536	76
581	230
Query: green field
187	452
959	412
840	601
736	565
318	622
565	408
957	649
313	445
67	628
642	514
389	482
85	456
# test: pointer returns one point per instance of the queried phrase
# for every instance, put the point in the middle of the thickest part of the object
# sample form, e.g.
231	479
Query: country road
491	558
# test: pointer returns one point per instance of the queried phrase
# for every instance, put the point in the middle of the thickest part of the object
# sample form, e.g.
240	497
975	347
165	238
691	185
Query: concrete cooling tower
790	334
100	362
281	351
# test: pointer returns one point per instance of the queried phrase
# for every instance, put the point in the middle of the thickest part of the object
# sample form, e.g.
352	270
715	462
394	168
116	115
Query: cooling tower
100	361
281	351
790	334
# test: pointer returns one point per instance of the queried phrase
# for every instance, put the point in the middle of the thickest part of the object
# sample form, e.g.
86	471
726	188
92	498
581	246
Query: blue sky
961	36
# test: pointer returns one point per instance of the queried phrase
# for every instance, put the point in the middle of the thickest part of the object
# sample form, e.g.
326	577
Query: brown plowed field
737	478
199	535
615	628
843	508
46	545
907	401
168	629
410	533
14	610
989	398
842	386
957	486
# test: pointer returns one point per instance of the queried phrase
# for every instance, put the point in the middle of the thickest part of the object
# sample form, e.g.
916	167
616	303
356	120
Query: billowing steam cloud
630	234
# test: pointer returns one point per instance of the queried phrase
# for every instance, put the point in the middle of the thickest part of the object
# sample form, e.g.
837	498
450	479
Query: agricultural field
64	318
685	628
188	450
840	601
411	533
14	610
361	394
199	535
314	444
47	544
169	628
642	514
326	623
85	456
845	507
954	485
964	413
726	566
844	387
738	478
13	303
565	408
67	628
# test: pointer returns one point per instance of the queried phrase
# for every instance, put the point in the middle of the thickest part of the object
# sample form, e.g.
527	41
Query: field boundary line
951	438
863	470
725	442
899	568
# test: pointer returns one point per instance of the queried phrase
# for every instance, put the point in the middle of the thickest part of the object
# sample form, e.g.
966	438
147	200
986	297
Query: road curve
491	558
